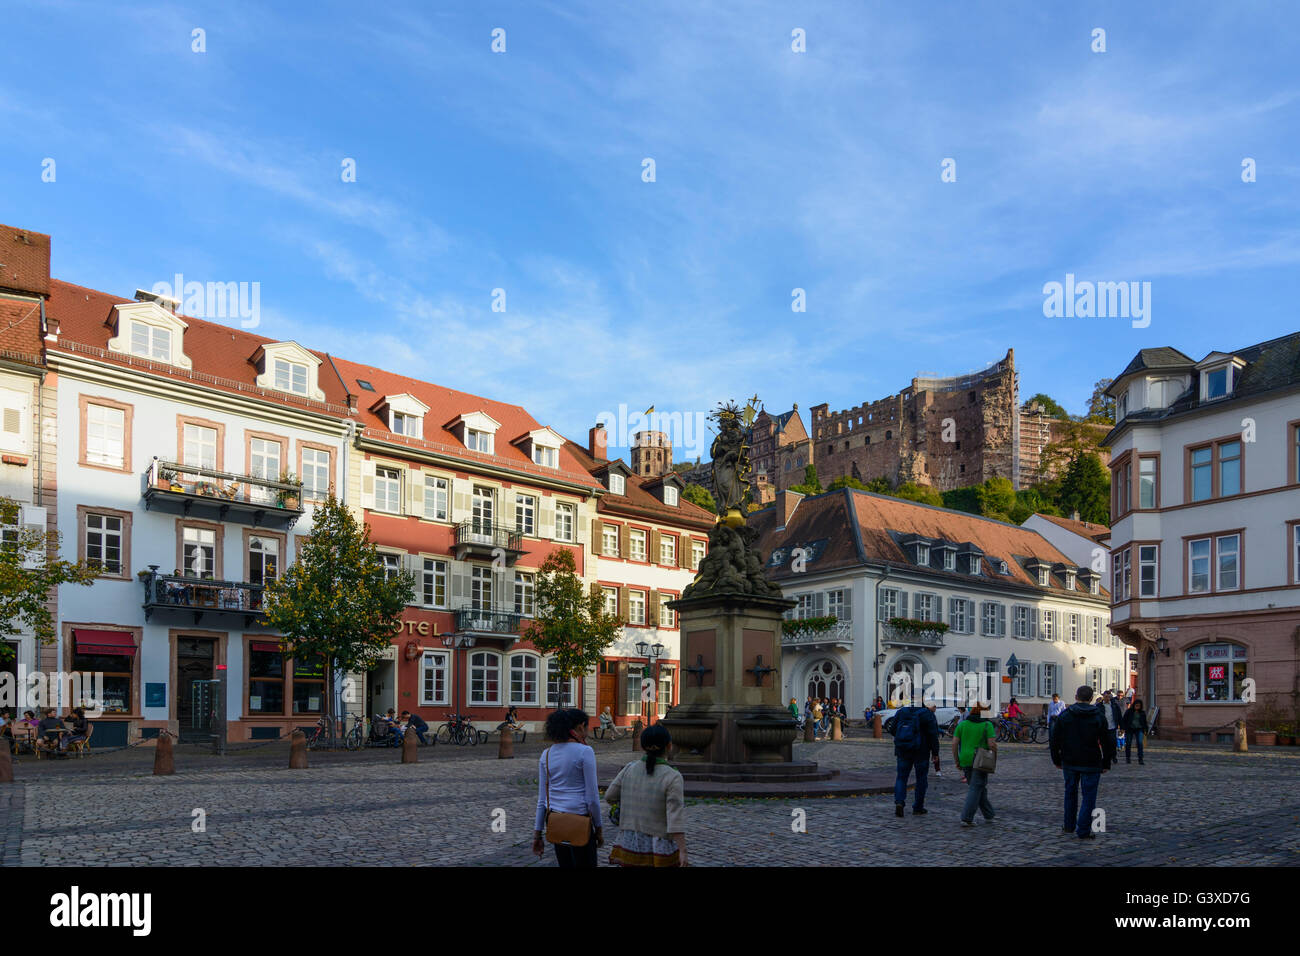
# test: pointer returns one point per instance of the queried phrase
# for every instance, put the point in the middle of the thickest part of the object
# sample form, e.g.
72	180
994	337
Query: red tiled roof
445	405
24	261
20	329
1085	529
220	353
636	501
833	517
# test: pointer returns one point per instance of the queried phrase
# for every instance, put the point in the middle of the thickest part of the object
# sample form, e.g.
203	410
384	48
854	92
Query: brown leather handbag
573	829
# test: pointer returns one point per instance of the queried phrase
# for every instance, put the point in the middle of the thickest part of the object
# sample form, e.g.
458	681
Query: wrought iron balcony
492	621
225	496
839	634
483	538
926	639
181	595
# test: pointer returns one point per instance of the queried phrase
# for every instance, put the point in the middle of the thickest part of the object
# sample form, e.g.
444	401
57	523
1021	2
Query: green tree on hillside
922	493
699	495
811	485
1085	488
1050	406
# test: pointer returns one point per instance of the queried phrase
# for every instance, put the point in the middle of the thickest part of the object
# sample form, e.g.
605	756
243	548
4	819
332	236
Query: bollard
836	732
506	746
809	730
1239	737
297	750
164	760
410	747
876	732
6	762
636	734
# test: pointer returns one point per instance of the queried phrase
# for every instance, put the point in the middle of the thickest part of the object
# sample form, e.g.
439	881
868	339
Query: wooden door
606	693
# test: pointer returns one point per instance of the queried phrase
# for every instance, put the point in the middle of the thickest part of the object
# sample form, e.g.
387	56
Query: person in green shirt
971	734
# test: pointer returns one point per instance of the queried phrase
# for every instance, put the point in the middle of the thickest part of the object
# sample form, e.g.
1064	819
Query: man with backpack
916	743
1083	748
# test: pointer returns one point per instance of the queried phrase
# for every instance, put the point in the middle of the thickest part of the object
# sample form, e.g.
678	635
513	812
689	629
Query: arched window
523	679
484	678
826	680
1215	673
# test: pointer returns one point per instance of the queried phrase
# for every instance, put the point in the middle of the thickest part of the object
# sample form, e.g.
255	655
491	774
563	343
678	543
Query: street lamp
1162	645
652	653
451	641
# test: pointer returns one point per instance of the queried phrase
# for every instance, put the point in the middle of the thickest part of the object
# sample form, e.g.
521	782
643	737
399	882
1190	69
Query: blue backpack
907	728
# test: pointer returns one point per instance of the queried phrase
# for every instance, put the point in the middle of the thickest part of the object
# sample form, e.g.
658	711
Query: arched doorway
826	679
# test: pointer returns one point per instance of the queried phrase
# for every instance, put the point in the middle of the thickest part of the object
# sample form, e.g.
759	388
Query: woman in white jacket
651	801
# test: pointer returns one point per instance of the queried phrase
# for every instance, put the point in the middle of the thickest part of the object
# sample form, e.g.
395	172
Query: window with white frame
949	559
839	604
476	440
480	588
545	456
609	540
667	617
632	697
636	544
525	593
435	582
263	462
664	698
975	564
564	522
104	542
388	490
1148	570
636	607
1295	554
199	552
1215	673
1198	566
993	619
1074	628
1020	622
887	604
697	554
926	609
616	484
922	554
526	514
1049	680
1047	626
959	615
1044	575
611	600
291	377
484	678
992	667
523	679
670	495
437	493
433	678
392	565
200	446
315	474
1227	550
263	560
1021	684
105	435
1096	631
151	342
1121	575
409	425
668	550
558	690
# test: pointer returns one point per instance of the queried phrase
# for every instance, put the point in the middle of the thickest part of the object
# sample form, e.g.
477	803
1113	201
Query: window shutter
1002	620
460	503
505	518
546	517
1042	680
597	536
459	585
622	602
595	589
620	700
367	484
819	604
902	604
652	609
938	608
952	665
882	608
652	543
624	541
415	492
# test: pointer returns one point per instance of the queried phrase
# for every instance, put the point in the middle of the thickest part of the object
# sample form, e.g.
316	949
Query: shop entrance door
195	687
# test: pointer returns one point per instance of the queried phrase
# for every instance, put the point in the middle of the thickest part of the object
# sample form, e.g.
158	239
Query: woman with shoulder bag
568	805
975	749
651	801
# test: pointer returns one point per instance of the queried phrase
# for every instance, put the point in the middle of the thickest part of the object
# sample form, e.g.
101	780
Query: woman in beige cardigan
651	802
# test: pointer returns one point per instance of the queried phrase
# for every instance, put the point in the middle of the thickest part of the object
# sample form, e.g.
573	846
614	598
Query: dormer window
541	445
151	342
1043	577
975	564
476	440
546	457
949	560
670	495
1069	580
1216	383
1094	585
1121	406
290	376
404	424
616	486
922	554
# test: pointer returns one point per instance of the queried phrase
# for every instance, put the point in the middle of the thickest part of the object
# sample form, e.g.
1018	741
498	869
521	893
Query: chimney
786	502
598	443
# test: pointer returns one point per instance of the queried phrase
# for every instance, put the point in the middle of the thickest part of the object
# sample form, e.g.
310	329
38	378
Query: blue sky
775	170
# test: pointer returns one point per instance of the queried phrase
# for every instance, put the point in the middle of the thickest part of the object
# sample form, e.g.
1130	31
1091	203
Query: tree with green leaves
924	494
337	602
30	569
1050	406
571	623
1101	407
997	498
811	485
699	495
846	481
1085	488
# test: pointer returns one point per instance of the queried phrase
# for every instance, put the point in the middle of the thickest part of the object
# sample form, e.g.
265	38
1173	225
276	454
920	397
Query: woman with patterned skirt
651	804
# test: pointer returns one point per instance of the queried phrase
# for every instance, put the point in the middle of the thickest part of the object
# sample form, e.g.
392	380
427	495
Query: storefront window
265	680
1216	672
309	686
116	669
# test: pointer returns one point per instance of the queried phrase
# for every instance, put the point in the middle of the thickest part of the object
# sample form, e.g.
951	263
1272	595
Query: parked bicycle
460	730
322	735
1013	731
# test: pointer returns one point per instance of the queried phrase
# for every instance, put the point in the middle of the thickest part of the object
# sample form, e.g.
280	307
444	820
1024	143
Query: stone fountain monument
730	727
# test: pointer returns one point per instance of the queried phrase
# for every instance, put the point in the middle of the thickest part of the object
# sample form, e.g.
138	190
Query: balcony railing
488	621
183	594
841	632
486	537
905	637
192	489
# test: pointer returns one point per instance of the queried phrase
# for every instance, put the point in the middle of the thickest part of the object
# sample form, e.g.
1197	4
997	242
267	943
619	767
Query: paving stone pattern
1187	806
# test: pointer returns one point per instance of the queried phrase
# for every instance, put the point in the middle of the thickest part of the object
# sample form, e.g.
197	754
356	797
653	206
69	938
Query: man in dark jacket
916	742
1084	749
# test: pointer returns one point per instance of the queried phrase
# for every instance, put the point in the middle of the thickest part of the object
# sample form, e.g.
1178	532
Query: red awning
266	646
104	642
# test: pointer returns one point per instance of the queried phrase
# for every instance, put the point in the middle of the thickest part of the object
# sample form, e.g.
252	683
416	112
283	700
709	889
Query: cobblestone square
1188	806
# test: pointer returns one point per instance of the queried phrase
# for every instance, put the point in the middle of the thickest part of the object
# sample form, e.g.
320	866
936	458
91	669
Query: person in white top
650	796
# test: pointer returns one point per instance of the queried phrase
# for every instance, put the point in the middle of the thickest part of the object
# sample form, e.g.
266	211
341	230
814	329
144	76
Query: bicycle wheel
353	740
471	735
1024	735
483	736
443	736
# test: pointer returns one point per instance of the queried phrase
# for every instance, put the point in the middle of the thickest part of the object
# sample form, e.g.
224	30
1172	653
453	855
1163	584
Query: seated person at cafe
177	593
80	728
415	722
391	719
6	728
606	719
51	728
